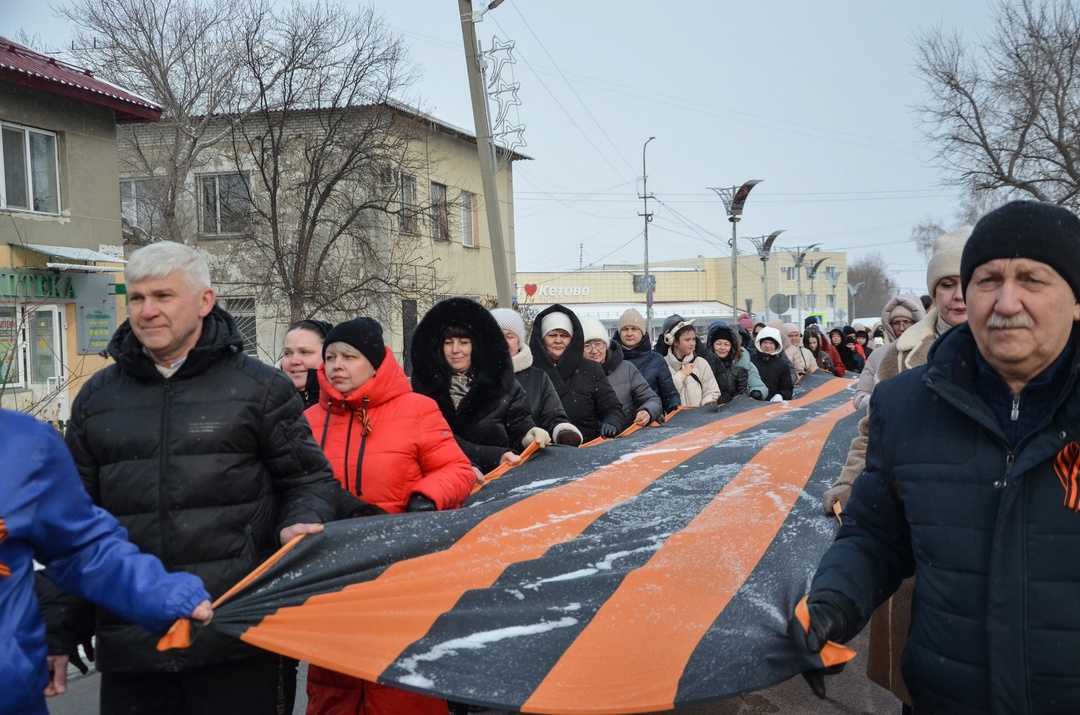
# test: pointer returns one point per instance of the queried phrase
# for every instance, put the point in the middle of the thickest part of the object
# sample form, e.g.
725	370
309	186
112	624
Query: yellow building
698	288
59	226
423	234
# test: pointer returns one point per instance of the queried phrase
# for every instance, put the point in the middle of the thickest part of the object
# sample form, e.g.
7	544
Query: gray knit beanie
510	319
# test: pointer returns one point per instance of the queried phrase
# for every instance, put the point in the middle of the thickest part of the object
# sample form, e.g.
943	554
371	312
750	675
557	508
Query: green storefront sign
37	286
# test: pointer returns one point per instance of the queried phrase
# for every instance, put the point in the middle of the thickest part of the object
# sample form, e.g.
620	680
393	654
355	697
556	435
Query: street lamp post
852	289
799	256
811	274
734	199
764	245
648	218
832	274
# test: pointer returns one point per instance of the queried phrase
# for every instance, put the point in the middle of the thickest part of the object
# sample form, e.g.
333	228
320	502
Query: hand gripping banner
659	569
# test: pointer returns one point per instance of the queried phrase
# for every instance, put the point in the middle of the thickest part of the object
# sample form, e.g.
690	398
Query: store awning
70	254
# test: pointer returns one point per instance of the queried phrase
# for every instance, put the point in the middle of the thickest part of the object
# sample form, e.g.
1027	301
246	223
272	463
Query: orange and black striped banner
659	569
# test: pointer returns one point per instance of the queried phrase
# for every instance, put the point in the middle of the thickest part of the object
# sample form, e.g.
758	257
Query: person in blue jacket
47	515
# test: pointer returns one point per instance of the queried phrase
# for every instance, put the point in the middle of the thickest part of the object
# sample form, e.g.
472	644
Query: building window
140	204
225	204
29	170
243	312
830	300
10	362
790	273
406	218
793	301
811	301
470	234
440	213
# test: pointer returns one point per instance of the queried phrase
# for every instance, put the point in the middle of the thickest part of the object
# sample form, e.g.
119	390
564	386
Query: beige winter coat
699	387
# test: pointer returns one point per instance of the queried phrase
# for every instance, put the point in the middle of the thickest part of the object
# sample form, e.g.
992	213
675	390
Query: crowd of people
186	491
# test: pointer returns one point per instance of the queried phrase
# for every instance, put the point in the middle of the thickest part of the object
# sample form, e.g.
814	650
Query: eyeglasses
901	323
594	346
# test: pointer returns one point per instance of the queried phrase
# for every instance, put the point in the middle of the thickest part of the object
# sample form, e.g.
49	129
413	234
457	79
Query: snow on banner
652	571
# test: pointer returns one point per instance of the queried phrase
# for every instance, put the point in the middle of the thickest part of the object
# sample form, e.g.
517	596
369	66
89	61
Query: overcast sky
813	98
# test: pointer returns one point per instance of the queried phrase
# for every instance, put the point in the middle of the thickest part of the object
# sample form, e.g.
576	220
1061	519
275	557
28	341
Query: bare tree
871	274
301	103
180	54
1005	112
328	150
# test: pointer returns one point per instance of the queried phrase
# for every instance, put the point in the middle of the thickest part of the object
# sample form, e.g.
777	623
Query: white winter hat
592	329
948	248
769	333
556	321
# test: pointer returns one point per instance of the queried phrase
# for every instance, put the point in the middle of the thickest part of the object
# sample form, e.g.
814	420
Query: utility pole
485	146
648	218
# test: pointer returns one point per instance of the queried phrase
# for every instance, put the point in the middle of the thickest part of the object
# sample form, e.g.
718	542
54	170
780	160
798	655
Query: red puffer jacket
406	448
385	443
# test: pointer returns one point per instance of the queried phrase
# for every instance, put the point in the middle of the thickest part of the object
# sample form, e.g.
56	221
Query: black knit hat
364	334
1042	232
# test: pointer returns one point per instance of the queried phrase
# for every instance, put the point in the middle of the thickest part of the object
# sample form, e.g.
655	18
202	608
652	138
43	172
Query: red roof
21	65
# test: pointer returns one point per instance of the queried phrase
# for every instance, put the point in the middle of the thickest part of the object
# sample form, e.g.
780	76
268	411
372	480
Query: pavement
849	693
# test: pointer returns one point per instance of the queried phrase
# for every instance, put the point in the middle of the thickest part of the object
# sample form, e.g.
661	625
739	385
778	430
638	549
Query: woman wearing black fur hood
559	350
460	360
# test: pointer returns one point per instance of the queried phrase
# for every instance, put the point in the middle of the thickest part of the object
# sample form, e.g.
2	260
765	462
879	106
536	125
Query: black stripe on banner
498	644
747	647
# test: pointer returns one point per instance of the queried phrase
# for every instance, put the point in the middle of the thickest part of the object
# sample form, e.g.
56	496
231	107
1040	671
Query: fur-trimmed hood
492	369
719	330
614	356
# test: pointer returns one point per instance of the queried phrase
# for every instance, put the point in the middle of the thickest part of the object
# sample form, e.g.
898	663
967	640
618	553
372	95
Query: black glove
350	506
756	394
832	618
608	430
711	407
419	502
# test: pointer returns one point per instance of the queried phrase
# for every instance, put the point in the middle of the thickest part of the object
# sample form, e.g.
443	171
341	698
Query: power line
573	91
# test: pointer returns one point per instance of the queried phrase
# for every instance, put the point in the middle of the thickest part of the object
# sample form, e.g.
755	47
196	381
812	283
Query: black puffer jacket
494	415
774	373
652	367
583	389
731	378
986	527
633	392
544	404
203	469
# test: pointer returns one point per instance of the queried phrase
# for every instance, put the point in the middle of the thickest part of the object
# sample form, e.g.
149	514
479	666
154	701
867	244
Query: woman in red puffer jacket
390	447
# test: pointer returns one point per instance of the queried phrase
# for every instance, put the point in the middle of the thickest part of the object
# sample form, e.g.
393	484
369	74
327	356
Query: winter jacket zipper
163	514
363	443
348	440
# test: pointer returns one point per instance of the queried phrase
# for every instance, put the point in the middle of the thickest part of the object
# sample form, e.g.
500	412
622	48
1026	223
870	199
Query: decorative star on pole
501	54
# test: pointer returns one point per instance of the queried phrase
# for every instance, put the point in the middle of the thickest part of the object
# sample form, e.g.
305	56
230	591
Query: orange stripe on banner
387	610
632	651
179	635
504	467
